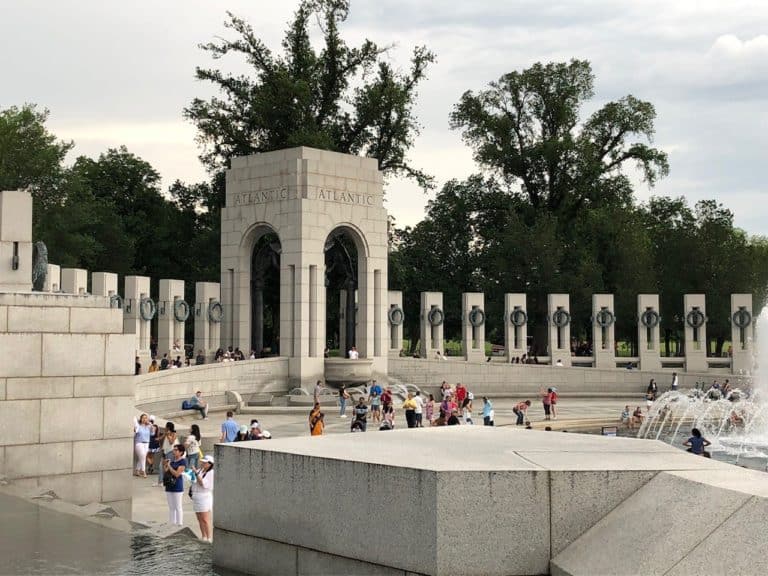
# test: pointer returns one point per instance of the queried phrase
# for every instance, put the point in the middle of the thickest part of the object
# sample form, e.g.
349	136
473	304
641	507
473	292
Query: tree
30	156
526	127
306	98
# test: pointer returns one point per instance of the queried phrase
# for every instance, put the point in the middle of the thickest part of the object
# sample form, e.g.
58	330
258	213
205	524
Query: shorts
202	502
374	408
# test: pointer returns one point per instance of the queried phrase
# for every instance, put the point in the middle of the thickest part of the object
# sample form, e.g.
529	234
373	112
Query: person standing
673	387
461	394
316	423
419	409
546	400
353	353
553	401
229	428
361	414
652	390
137	367
466	411
343	397
429	409
375	400
142	430
168	440
202	497
318	390
173	469
410	411
487	412
192	446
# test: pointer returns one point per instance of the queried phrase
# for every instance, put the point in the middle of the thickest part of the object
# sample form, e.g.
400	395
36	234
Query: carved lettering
325	194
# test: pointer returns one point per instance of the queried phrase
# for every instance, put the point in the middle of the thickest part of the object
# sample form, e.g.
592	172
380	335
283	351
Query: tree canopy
340	98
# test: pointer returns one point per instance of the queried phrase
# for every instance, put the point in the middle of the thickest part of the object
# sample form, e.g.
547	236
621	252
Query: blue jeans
487	421
342	406
193	460
159	455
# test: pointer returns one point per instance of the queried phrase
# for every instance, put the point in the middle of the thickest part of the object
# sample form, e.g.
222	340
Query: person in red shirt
386	397
461	394
553	401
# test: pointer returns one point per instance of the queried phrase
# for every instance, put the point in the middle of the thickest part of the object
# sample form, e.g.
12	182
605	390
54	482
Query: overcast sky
115	73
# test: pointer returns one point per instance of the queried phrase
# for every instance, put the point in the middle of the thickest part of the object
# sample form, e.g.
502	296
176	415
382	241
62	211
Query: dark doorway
340	274
265	296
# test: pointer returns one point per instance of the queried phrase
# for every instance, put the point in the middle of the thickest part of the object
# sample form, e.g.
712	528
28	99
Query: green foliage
339	98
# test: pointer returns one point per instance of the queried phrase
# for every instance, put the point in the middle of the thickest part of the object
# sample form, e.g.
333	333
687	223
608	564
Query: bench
258	399
171	408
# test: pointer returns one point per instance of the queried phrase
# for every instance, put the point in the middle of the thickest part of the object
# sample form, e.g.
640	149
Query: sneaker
343	416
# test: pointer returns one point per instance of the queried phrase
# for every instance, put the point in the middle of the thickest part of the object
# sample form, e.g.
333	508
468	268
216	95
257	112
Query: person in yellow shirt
410	410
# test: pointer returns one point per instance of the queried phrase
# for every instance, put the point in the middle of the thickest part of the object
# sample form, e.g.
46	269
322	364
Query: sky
114	73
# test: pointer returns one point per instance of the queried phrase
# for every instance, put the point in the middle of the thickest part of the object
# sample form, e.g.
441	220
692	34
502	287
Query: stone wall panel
20	354
37	319
72	419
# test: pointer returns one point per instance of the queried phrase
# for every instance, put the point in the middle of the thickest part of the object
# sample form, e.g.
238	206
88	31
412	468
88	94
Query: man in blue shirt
487	412
374	388
229	429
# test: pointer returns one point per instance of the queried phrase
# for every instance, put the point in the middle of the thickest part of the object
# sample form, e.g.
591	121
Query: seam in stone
705	538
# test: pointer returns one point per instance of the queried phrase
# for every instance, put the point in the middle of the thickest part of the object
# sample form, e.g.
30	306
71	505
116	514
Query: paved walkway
149	501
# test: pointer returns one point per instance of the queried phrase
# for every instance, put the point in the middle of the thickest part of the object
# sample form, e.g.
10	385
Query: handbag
169	480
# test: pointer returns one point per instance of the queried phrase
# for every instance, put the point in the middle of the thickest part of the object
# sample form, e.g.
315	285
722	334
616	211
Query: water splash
735	422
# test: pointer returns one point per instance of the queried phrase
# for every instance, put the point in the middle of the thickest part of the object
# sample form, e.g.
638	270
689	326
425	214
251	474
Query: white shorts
202	502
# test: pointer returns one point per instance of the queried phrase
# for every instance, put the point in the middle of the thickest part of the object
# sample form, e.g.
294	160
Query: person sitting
696	443
625	416
197	403
353	353
637	417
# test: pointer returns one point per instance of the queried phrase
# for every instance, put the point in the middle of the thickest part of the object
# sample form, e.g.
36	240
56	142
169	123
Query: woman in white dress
202	497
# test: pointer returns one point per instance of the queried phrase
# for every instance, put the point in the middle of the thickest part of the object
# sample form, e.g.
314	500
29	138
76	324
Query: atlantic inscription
326	194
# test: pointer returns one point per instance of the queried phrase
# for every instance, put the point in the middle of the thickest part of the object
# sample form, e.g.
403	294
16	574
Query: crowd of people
161	450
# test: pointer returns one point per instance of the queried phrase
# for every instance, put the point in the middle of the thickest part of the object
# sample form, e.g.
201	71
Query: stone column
559	317
649	332
743	322
52	279
74	281
395	318
695	324
603	331
15	241
170	329
136	300
257	315
515	326
207	330
473	326
431	319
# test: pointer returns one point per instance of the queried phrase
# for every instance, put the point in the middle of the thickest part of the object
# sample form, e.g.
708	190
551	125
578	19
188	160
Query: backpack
185	405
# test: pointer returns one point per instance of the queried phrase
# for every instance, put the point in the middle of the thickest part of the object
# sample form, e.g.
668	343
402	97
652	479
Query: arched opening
342	263
265	296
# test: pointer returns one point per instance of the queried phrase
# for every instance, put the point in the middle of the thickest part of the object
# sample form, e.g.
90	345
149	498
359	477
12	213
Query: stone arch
244	290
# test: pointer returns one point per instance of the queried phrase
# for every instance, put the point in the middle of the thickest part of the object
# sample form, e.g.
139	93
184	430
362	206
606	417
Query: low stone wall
477	500
66	397
497	379
263	376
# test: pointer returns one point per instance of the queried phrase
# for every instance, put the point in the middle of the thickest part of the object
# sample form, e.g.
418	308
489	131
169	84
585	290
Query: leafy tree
30	156
526	127
341	98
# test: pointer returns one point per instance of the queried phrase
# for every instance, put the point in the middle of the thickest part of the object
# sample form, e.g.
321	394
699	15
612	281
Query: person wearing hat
255	433
202	497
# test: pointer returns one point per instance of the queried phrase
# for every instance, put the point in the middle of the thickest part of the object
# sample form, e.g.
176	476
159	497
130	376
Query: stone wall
66	397
499	379
266	375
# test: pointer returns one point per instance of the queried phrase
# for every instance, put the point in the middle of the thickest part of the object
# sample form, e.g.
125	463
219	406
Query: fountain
736	422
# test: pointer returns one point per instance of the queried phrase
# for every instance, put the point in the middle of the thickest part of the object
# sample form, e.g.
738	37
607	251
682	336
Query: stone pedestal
431	318
395	319
170	330
515	326
743	320
603	331
136	300
473	326
104	284
694	312
52	279
15	241
207	308
558	312
649	331
74	281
